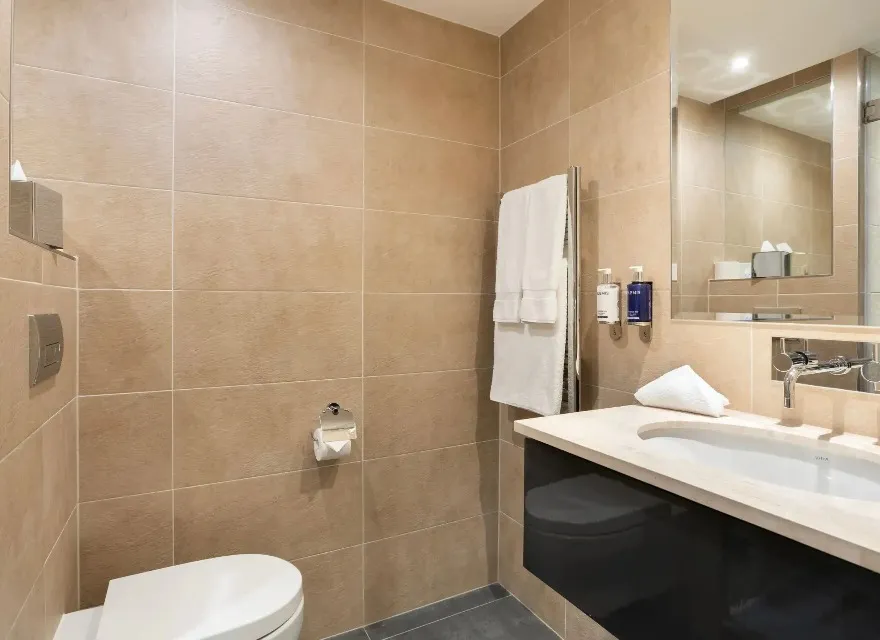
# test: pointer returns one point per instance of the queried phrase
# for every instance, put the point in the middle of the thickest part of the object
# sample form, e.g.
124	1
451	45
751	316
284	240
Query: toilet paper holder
335	424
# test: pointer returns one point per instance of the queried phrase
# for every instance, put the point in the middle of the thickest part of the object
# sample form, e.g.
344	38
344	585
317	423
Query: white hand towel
683	390
512	224
548	208
529	360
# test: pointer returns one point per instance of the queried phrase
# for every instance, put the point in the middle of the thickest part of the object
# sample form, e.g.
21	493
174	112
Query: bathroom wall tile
740	304
61	576
58	270
237	244
743	220
339	17
743	130
424	332
537	596
786	223
219	340
767	287
743	170
119	134
786	180
599	398
844	279
124	40
623	44
121	236
126	341
238	150
536	94
540	27
419	490
333	586
291	515
760	92
428	98
124	445
846	74
790	144
410	413
506	417
511	492
240	432
703	215
582	9
836	304
414	569
821	232
623	143
223	54
708	119
406	253
532	159
421	175
394	27
122	537
845	191
6	49
822	196
31	621
701	160
59	443
580	626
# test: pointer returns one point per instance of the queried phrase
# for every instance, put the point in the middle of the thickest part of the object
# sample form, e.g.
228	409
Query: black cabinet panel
649	565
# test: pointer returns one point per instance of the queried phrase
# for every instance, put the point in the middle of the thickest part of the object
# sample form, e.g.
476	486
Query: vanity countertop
846	528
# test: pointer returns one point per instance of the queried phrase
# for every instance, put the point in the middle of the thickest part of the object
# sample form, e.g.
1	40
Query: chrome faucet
795	364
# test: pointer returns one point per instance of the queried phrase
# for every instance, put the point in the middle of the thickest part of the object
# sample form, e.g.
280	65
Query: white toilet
242	597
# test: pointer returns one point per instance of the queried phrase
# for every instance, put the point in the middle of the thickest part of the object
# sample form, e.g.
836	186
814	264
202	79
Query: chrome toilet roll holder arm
335	424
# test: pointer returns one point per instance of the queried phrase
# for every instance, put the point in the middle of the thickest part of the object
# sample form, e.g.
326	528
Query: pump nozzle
606	275
638	273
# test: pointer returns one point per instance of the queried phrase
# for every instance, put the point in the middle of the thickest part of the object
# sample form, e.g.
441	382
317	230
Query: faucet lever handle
785	360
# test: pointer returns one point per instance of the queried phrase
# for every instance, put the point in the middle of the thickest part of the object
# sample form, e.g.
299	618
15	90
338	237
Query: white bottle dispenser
607	299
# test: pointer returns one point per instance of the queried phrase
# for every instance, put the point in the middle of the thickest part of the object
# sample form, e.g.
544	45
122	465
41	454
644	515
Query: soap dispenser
640	302
607	299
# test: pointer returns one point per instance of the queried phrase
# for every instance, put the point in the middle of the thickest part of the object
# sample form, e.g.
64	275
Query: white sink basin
781	459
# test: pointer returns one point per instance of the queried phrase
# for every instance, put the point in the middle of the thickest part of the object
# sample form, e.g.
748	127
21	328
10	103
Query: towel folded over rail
512	224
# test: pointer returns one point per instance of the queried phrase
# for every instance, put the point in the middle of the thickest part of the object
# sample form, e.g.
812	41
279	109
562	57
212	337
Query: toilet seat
241	597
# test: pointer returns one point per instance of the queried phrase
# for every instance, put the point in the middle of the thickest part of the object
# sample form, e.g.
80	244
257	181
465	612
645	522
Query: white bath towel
683	390
548	208
530	358
512	224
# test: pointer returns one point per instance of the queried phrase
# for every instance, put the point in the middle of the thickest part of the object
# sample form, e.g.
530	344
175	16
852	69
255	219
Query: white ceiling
778	36
491	16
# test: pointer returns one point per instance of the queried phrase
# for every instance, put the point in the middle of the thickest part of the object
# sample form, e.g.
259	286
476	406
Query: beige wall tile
532	159
333	585
410	413
219	340
394	27
541	599
506	417
122	537
830	304
58	270
61	576
624	43
246	58
31	621
238	244
340	17
124	445
407	253
743	166
846	75
822	197
793	145
119	134
844	278
420	490
743	287
240	432
59	442
291	515
126	341
237	150
845	191
536	94
412	95
599	398
740	304
6	49
701	160
583	9
743	220
415	569
703	214
511	491
786	180
743	130
708	119
124	40
543	25
120	235
420	175
623	143
580	626
424	332
786	223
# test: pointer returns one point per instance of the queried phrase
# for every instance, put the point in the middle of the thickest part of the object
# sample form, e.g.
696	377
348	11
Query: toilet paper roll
329	450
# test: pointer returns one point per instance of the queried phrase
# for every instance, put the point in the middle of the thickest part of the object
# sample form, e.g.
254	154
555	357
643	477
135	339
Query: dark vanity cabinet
649	565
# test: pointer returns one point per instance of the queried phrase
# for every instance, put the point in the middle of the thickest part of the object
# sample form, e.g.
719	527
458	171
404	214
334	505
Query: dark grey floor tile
357	634
433	612
505	619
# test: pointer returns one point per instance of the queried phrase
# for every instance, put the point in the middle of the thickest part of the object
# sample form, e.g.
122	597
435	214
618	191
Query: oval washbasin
816	466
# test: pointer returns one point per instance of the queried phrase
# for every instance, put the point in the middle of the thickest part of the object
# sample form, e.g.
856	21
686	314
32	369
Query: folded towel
548	208
529	360
512	224
683	390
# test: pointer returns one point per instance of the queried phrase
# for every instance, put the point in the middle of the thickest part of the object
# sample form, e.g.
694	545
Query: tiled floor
490	613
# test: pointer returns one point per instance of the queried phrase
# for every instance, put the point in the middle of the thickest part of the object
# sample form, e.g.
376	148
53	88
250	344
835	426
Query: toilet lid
242	597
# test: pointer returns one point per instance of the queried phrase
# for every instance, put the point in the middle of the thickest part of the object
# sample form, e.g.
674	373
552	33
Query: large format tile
511	486
61	576
118	133
239	432
534	158
419	96
59	443
290	515
419	490
220	340
339	17
31	621
245	58
422	567
333	585
125	40
238	150
234	244
540	27
414	174
394	27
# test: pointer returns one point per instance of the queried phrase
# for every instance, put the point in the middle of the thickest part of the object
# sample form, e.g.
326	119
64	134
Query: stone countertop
846	528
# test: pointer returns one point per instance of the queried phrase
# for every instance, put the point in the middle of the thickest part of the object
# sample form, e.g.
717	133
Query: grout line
363	313
479	606
173	147
425	136
536	53
534	133
90	77
250	105
37	430
445	64
38	283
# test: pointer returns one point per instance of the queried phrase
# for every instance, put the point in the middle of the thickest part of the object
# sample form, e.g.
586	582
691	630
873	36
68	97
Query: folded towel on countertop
683	390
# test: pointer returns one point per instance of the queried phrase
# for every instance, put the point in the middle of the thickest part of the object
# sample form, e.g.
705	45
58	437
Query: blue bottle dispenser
639	299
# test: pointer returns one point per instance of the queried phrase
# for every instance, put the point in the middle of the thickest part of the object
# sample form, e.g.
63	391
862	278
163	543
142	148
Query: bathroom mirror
772	164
